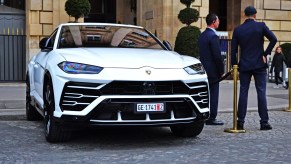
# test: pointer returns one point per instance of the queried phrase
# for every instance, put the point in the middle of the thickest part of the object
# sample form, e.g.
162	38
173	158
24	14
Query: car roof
101	24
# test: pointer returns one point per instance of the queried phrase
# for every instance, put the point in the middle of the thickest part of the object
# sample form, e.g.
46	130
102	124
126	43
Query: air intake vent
77	96
199	92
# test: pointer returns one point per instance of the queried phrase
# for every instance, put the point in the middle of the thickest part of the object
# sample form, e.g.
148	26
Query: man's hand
265	59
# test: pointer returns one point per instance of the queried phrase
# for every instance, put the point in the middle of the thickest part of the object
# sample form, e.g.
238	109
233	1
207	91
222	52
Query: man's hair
250	11
211	18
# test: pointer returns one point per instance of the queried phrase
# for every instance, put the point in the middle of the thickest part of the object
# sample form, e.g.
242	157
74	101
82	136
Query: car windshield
106	36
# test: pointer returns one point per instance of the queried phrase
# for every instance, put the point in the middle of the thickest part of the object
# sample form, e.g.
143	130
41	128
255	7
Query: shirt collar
213	30
249	20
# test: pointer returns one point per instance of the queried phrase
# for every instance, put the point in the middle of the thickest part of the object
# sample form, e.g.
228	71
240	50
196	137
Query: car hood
127	58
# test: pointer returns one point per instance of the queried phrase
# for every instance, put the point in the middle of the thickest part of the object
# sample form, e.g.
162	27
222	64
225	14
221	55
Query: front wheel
187	130
53	131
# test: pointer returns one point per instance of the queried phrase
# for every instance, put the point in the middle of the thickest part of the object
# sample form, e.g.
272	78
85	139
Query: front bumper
113	104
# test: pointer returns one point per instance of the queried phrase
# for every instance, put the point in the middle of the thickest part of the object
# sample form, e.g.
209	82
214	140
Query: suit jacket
210	54
250	37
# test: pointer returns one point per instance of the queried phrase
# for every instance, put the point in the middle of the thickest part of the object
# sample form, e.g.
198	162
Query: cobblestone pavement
23	142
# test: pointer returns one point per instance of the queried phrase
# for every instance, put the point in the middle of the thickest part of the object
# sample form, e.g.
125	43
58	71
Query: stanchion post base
287	110
234	131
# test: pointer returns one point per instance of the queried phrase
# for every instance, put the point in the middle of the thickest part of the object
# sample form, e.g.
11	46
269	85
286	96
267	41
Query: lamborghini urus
93	74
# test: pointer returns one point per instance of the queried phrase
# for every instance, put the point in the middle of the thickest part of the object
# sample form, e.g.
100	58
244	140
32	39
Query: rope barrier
223	77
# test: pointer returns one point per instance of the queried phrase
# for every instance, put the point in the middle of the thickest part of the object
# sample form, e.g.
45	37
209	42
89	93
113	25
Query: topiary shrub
188	16
187	38
77	8
187	41
286	49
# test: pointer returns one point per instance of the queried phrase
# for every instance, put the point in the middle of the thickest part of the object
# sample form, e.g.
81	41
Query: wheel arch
47	79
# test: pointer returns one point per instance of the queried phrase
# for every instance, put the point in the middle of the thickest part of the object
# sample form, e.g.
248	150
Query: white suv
117	75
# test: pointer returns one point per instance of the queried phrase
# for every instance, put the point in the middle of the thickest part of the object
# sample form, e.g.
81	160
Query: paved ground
23	142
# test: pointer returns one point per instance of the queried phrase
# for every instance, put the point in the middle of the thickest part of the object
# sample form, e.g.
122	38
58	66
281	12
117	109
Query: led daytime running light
78	68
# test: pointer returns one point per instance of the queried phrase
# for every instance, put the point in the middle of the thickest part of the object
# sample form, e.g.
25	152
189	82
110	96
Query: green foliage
188	16
286	49
77	8
187	2
187	38
187	41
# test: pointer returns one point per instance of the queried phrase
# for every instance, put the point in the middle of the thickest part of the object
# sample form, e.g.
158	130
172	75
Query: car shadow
128	137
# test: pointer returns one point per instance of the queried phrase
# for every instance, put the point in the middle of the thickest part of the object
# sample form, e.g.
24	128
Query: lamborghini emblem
148	72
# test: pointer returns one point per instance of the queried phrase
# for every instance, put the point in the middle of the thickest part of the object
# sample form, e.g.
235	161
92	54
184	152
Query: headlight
78	68
195	69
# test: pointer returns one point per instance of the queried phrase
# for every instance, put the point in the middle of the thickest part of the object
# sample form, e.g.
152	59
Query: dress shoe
214	122
240	126
266	126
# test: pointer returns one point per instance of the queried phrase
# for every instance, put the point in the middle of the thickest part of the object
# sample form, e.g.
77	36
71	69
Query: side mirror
45	44
168	45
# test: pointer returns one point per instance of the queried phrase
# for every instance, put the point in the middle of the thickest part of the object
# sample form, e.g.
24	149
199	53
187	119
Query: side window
52	38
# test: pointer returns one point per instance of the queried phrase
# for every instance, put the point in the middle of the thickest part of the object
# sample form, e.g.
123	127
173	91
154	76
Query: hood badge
148	72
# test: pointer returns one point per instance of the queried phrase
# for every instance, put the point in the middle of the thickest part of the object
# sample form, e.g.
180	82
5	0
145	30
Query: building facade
158	16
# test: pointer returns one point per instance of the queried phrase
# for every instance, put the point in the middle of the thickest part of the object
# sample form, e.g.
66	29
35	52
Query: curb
12	112
18	84
255	109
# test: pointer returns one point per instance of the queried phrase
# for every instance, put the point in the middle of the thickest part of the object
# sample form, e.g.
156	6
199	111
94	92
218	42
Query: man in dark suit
253	62
211	59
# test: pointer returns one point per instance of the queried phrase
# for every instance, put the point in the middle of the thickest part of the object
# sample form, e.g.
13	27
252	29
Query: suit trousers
214	94
260	83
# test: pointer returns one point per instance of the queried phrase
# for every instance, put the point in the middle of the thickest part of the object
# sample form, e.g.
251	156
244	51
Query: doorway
102	11
219	7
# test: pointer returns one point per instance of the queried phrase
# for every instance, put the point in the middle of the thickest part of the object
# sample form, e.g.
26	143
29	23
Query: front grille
145	88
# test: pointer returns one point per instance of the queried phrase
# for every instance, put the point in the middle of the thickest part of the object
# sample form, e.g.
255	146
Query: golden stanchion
234	129
289	89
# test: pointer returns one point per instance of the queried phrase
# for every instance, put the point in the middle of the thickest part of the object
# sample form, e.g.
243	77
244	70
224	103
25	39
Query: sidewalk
12	98
277	98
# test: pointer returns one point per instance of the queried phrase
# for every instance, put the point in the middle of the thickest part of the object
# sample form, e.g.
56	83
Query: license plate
150	107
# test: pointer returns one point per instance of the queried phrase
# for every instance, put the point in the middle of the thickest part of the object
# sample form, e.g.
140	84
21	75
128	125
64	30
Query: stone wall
124	13
277	15
161	16
42	17
158	16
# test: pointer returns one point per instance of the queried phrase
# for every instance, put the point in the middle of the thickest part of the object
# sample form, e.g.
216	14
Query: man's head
250	11
212	21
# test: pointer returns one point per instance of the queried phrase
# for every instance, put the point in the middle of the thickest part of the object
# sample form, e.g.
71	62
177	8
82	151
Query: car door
39	66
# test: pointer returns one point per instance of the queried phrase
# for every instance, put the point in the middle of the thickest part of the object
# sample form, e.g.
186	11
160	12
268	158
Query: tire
31	113
53	131
187	130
